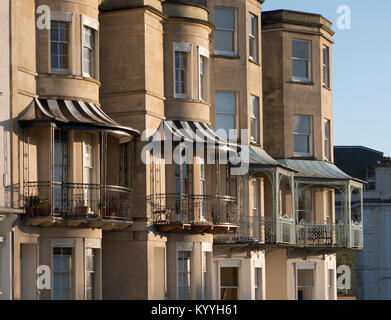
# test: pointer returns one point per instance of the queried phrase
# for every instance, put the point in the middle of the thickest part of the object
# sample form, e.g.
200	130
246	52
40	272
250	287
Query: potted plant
43	210
32	203
82	209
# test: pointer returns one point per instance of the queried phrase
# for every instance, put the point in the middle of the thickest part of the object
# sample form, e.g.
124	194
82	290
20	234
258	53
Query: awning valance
72	114
192	132
313	171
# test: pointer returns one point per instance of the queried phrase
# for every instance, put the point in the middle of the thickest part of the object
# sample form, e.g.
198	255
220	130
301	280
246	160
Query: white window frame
65	17
326	66
64	243
206	275
327	139
203	74
306	211
305	266
331	268
310	140
87	22
309	61
185	247
253	37
258	290
96	245
235	34
229	264
235	115
185	48
254	116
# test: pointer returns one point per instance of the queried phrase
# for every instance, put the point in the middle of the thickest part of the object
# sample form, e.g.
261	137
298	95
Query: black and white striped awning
72	114
192	132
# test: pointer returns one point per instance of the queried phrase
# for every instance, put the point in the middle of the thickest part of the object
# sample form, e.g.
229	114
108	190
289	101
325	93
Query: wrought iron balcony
257	230
262	230
350	236
198	213
76	202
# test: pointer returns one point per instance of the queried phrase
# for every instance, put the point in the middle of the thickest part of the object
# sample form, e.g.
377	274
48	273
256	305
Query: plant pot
42	211
107	212
30	211
83	210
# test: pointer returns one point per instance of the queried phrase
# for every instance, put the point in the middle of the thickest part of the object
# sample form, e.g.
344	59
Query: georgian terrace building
201	63
60	139
110	225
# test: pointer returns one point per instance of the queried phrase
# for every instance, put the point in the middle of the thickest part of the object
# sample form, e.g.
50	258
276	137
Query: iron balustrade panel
286	230
253	229
185	208
77	199
316	235
357	235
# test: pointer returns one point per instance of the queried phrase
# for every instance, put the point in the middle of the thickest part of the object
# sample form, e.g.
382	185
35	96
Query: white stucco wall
247	264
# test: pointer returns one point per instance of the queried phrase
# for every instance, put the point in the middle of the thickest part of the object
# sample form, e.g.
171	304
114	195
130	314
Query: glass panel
229	277
54	34
224	18
305	278
225	101
229	294
225	121
300	49
62	268
302	124
301	144
300	68
224	40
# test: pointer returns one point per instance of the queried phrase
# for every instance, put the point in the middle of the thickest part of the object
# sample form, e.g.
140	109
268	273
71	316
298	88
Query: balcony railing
350	236
76	200
315	234
193	209
284	231
262	230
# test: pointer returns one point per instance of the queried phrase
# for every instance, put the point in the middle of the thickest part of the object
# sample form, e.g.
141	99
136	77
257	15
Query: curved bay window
66	172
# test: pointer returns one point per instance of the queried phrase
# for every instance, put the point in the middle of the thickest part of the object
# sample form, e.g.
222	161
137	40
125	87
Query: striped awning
73	114
194	133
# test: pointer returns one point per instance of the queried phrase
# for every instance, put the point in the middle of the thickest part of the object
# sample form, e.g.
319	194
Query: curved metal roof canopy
71	114
314	171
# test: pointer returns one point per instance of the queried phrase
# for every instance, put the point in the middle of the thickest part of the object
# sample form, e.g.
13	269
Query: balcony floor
78	221
196	227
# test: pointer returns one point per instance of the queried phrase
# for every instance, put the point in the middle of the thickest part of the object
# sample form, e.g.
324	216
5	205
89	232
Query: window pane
54	32
225	102
300	49
225	121
224	40
229	294
229	277
224	18
301	143
305	277
300	68
302	124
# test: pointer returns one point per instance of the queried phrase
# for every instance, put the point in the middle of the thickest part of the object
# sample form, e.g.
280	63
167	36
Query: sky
361	68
